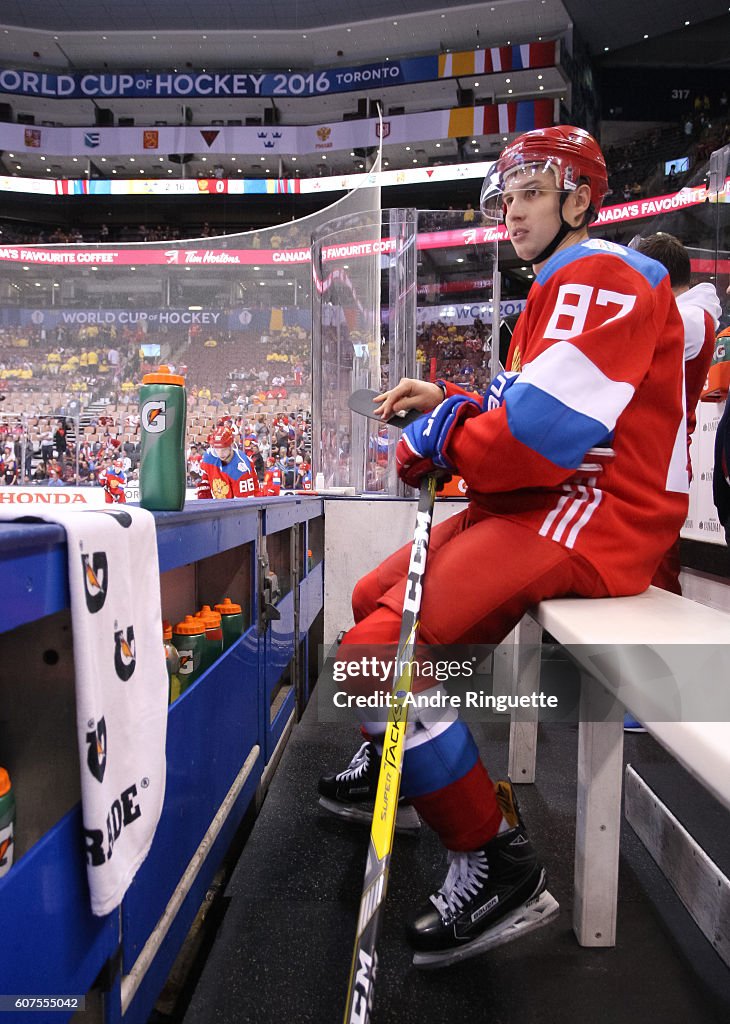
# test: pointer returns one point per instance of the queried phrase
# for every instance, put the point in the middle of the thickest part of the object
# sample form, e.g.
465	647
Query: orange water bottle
231	622
213	633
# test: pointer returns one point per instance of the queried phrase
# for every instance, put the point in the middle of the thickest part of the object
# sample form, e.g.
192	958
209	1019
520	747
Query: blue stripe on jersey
653	271
551	428
438	762
239	466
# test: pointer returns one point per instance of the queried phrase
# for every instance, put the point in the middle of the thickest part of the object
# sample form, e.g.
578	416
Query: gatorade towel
121	687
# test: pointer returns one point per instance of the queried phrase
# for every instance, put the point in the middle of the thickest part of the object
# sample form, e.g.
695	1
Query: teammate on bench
576	467
700	310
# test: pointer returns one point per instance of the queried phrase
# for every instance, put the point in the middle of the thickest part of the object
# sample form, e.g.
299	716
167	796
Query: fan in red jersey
272	478
226	472
112	478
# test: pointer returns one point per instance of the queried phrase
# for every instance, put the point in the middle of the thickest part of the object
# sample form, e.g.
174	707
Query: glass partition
386	306
81	324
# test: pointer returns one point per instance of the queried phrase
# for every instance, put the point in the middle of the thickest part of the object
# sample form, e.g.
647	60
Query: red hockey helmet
572	153
222	437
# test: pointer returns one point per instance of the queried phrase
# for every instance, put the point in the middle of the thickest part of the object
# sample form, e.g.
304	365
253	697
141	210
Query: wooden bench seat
664	658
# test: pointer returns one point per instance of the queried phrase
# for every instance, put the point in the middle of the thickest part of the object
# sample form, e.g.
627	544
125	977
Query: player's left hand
422	445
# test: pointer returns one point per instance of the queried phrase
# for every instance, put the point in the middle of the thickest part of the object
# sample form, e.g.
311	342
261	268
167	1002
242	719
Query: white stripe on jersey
570	513
587	513
566	374
552	516
581	501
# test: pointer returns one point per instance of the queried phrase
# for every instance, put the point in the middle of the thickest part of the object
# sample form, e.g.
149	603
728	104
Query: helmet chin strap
561	233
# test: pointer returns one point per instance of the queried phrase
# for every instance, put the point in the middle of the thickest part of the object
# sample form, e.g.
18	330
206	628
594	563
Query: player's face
224	454
531	203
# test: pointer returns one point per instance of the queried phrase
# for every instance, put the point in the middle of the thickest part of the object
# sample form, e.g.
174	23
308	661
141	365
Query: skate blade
527	918
407	819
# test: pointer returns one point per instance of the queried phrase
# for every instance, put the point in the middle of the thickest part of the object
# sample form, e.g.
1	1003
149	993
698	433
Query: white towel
121	687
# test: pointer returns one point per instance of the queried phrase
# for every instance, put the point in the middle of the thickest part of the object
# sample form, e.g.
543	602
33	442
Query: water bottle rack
225	735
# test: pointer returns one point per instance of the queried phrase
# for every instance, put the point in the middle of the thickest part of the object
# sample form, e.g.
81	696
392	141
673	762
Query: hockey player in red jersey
272	478
112	478
576	469
225	471
700	310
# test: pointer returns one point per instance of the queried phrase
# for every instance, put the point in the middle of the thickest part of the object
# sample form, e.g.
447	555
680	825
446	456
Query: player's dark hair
671	253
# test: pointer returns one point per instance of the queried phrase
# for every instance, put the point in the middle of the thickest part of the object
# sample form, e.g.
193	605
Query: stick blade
362	402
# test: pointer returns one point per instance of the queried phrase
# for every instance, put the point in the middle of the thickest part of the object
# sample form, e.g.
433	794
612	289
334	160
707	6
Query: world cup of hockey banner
238	83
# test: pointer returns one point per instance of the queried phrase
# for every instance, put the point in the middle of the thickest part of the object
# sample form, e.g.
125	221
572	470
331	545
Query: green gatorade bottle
7	823
162	407
189	640
172	659
231	621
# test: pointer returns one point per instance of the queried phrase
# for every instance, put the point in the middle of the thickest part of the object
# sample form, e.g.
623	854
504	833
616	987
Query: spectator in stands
46	445
59	439
9	465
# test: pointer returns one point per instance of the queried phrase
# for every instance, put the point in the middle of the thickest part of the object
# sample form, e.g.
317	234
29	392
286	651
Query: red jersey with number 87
588	443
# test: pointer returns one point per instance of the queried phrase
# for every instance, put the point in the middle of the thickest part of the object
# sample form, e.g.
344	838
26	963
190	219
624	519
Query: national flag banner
285	186
150	139
535	55
498	58
209	136
501	118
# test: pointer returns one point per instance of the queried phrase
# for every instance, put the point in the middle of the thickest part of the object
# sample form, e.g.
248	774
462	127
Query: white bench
667	660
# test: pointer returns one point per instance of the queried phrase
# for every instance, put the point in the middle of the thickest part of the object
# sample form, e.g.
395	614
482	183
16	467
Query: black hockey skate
351	793
490	896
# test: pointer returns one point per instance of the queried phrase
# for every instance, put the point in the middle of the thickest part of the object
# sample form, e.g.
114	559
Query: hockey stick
364	965
362	401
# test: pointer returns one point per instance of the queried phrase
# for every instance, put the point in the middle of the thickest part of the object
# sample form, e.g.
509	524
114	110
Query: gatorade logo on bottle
154	416
6	846
96	754
125	657
187	662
